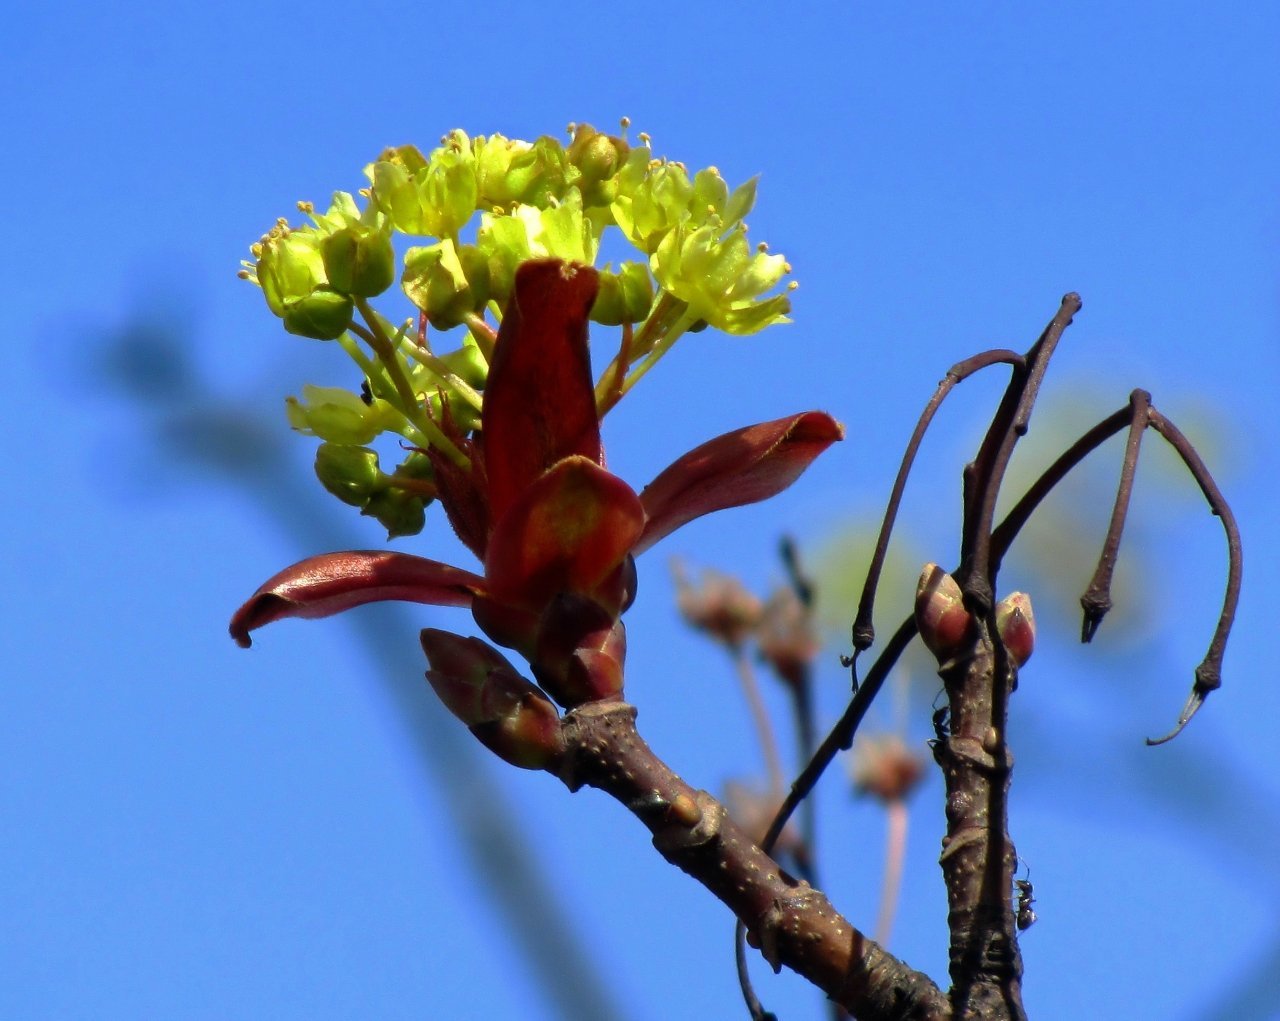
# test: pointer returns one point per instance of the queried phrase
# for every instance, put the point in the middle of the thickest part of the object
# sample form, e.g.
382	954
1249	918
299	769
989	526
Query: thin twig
1096	600
984	476
1208	676
864	632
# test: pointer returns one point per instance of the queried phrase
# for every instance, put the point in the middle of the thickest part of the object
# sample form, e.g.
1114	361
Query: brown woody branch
792	923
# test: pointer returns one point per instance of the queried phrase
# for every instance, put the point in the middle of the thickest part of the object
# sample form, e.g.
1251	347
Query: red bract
555	530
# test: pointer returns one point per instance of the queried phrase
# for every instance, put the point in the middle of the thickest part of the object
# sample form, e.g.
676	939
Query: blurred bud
359	259
333	414
625	296
885	768
719	605
941	617
468	362
350	473
754	810
785	636
445	281
507	713
1017	626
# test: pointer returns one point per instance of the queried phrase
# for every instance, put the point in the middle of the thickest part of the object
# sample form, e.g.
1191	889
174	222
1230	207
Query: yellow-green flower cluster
472	210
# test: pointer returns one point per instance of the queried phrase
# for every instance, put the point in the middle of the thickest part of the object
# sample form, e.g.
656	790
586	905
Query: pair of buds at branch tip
947	627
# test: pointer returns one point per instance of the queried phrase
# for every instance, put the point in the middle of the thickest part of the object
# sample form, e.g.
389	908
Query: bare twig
864	632
1096	600
985	474
1208	676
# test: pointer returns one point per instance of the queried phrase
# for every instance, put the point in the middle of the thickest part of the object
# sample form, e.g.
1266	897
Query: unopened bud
944	623
359	260
324	314
1017	626
447	282
625	296
350	473
580	651
509	716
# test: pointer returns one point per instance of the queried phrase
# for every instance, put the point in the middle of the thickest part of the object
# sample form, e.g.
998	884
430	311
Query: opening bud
507	713
944	623
1017	626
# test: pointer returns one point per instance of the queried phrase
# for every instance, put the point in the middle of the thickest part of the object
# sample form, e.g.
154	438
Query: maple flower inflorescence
504	432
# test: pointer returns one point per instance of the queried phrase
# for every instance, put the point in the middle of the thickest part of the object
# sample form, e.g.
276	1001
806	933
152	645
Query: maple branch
792	923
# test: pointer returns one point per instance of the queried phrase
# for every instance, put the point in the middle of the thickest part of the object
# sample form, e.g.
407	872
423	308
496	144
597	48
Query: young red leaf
333	582
740	467
568	532
539	402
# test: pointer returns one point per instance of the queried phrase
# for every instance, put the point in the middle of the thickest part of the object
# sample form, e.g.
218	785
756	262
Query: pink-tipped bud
510	716
945	625
1017	626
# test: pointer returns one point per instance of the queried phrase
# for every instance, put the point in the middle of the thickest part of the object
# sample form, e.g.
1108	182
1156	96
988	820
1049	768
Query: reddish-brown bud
718	604
1017	626
580	651
885	767
510	716
785	636
945	625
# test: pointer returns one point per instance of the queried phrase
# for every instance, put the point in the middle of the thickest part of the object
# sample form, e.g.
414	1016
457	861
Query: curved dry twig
864	632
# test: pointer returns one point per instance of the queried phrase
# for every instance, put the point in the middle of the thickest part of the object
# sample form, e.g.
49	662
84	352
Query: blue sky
194	831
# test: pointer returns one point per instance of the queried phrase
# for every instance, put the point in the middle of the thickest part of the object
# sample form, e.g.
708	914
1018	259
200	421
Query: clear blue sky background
192	831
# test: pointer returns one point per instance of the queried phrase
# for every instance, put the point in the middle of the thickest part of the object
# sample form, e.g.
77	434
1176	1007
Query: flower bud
625	296
350	473
1017	626
510	172
359	259
508	714
944	623
446	282
333	414
289	265
324	314
579	651
433	197
399	511
598	157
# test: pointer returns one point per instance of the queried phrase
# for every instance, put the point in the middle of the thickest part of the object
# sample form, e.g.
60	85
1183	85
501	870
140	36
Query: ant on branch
1026	897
